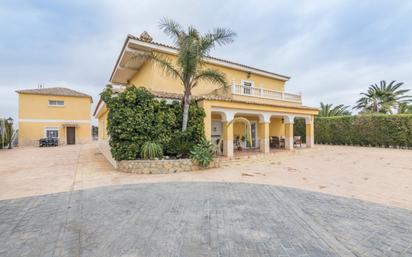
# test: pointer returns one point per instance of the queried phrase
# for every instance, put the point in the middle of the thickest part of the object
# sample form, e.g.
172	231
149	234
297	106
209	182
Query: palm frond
171	28
165	63
220	36
193	32
328	110
383	98
210	75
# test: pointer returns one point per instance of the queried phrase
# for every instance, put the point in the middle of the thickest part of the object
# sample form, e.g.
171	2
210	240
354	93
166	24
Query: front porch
270	131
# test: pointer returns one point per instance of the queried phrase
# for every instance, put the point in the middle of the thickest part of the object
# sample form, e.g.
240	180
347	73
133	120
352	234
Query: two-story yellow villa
255	94
54	112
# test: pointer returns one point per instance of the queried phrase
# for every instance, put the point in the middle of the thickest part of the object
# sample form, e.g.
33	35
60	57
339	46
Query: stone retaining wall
104	148
151	166
161	166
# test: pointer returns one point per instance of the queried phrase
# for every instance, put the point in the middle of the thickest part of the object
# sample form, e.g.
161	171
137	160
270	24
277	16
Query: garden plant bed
161	166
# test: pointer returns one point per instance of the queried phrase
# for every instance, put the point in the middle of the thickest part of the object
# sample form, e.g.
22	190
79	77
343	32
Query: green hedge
136	117
6	132
299	128
365	130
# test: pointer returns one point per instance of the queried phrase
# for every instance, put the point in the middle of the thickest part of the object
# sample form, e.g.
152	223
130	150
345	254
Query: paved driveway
200	219
372	174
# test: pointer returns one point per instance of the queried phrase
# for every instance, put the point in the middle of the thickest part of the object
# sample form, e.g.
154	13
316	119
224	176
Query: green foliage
299	128
203	153
6	133
193	47
382	98
404	108
136	117
180	145
328	110
183	141
365	130
151	150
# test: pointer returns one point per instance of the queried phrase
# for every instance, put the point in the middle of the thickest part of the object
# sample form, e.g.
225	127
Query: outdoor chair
297	141
274	142
47	142
282	142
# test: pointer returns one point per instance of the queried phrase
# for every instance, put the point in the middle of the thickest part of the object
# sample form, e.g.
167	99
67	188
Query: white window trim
55	105
51	128
243	81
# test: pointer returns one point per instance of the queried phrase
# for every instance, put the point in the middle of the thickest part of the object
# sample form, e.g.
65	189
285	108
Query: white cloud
332	49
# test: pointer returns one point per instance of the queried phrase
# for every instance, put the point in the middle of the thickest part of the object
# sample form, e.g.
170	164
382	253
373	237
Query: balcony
265	93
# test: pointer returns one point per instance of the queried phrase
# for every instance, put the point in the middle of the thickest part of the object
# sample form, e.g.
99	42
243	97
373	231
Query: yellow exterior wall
153	77
36	107
239	128
258	107
102	119
276	127
35	115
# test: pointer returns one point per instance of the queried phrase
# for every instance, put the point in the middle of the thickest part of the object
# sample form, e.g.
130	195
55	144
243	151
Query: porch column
289	132
264	119
264	137
228	133
310	132
228	139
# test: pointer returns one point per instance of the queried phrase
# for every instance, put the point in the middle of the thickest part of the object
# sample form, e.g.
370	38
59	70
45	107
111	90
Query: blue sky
332	49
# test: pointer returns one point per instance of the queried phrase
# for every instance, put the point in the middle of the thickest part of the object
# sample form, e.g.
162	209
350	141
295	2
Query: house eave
133	44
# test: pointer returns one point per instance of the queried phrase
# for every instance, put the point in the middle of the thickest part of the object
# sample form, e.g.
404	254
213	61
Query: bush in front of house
137	117
151	151
365	130
203	153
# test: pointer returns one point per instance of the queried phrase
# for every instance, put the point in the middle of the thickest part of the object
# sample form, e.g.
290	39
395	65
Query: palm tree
189	67
327	110
404	108
383	98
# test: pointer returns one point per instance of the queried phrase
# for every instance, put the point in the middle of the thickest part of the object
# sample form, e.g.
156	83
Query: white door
217	128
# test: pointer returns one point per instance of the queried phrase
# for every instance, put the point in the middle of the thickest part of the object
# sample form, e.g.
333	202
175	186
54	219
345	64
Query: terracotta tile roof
212	97
55	91
211	57
178	96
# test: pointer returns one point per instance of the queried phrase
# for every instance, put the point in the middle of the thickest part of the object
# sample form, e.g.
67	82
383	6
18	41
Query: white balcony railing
265	93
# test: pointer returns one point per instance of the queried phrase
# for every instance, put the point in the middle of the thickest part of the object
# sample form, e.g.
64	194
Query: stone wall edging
104	148
161	166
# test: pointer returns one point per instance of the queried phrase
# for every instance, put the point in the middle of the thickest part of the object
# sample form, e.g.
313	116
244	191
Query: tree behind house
383	98
328	110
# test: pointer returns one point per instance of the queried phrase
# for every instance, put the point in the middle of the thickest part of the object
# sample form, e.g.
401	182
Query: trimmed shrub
151	151
365	130
136	116
203	153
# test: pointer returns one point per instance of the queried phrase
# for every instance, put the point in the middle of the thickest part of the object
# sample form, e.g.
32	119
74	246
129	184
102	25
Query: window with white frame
51	132
247	87
56	103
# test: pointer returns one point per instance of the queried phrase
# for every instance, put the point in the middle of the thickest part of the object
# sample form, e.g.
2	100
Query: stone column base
289	143
228	148
264	145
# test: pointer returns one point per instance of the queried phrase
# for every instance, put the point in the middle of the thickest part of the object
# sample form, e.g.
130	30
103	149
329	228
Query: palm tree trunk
186	105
